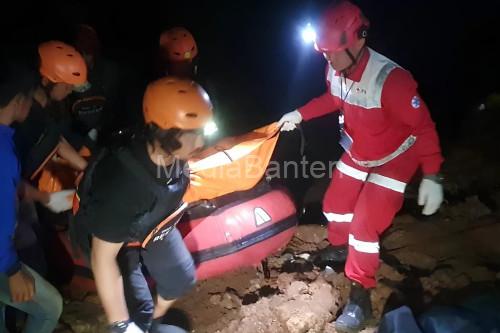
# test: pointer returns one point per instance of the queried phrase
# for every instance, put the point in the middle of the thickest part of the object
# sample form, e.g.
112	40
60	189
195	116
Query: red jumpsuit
387	134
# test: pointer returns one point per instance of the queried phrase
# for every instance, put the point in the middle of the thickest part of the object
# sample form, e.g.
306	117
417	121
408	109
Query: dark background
255	66
252	54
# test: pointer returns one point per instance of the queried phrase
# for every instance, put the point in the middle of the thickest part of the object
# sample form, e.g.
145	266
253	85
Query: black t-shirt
120	206
36	138
87	108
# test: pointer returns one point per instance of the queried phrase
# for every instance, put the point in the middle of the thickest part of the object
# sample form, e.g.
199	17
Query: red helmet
340	27
179	45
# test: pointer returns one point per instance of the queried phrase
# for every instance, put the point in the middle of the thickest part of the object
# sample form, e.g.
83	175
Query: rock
230	301
255	284
93	298
476	208
410	234
215	299
311	233
461	281
284	281
404	219
379	297
301	323
84	317
311	276
483	240
412	258
481	274
387	272
301	315
296	288
257	317
430	286
340	281
444	277
310	309
330	328
308	238
302	308
324	296
470	210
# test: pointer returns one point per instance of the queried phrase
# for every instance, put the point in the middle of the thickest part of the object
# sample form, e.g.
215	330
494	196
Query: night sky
254	63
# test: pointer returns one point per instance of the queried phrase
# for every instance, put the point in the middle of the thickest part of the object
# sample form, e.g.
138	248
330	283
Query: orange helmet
171	102
179	44
61	63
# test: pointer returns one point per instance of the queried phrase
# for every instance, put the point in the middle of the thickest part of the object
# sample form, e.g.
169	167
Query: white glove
430	195
92	134
290	120
61	201
133	328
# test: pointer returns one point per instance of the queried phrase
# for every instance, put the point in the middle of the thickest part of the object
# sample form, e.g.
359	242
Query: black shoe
331	254
357	311
158	327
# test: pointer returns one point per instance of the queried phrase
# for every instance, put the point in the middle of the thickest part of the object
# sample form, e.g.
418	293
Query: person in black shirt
133	194
94	103
42	134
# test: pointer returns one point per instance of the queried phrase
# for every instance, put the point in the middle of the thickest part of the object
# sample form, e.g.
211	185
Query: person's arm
400	97
30	193
318	107
108	279
66	151
321	105
21	284
9	262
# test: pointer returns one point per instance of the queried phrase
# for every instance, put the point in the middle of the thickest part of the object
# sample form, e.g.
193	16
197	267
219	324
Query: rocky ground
452	252
421	259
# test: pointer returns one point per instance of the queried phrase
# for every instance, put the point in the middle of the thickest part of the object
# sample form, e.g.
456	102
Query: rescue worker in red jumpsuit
387	134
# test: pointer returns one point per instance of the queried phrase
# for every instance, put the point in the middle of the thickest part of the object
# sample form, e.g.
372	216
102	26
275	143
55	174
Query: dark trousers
167	262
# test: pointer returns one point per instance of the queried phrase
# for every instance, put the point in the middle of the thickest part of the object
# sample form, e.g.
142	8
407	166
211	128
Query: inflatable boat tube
225	234
241	233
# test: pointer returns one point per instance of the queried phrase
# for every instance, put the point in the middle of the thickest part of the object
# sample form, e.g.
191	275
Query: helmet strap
42	94
47	89
354	60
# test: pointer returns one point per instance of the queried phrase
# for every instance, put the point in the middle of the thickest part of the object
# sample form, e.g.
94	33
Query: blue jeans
43	310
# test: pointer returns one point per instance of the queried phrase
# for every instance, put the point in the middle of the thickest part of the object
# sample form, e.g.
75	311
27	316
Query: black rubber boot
332	254
357	311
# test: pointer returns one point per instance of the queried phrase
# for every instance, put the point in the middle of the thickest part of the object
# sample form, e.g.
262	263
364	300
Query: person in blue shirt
20	286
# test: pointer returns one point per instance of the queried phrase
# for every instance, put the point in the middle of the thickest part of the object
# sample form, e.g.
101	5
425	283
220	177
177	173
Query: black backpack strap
138	169
79	234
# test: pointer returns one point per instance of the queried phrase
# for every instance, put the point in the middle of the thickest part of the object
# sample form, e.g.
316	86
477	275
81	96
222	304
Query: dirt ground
421	259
